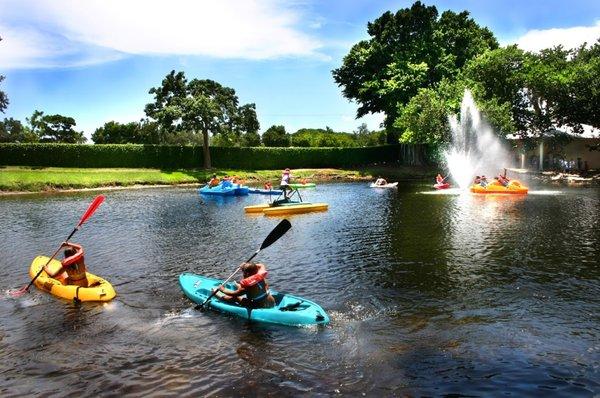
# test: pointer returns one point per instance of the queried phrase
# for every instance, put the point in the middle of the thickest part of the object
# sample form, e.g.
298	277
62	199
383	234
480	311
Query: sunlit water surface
428	295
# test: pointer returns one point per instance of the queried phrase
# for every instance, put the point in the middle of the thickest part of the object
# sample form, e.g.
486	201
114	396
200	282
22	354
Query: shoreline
26	180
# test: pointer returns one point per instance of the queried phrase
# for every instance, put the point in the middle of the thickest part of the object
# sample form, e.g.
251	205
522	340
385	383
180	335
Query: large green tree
197	107
3	97
411	49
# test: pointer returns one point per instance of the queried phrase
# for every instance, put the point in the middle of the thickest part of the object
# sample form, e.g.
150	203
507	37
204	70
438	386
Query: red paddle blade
93	206
19	293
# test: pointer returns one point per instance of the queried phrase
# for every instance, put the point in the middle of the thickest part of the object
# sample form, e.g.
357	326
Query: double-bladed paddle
275	234
88	213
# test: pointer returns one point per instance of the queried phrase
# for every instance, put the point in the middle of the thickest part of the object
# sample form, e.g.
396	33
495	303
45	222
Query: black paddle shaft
275	234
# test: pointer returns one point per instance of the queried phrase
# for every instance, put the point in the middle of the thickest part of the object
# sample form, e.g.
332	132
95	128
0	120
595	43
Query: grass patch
36	179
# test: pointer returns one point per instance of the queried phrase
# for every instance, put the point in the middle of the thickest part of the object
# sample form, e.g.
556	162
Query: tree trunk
206	150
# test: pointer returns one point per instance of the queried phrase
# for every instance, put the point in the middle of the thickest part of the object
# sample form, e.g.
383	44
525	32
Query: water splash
475	148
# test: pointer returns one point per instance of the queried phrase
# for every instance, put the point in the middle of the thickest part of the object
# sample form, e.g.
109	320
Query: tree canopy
199	107
409	50
276	136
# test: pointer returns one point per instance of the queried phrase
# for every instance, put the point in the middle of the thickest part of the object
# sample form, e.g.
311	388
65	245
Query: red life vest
254	279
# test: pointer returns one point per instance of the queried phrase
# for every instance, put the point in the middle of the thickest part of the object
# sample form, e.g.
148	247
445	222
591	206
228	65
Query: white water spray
475	149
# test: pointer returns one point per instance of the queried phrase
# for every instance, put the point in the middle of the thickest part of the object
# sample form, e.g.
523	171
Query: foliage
408	50
275	136
117	133
54	128
176	157
322	138
542	91
199	106
3	97
12	130
424	119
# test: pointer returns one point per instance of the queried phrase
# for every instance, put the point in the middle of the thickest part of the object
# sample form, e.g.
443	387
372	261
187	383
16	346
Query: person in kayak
284	185
214	181
268	185
503	180
72	270
483	181
252	291
439	179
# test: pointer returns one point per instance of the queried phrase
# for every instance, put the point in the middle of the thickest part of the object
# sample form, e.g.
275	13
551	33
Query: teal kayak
289	310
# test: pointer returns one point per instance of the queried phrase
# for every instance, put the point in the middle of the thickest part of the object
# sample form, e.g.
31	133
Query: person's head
286	171
214	176
69	251
249	269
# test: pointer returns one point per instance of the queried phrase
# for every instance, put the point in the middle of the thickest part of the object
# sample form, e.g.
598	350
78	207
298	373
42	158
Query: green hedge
188	157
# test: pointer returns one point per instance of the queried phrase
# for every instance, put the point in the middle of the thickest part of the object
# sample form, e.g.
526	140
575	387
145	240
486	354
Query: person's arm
234	293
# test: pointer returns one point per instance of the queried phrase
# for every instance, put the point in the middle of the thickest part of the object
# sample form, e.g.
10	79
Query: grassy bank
38	179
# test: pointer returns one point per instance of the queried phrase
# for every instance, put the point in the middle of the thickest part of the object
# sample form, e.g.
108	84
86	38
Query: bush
189	157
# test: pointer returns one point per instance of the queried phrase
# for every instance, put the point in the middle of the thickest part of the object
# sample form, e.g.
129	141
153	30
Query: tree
408	50
275	136
200	106
3	97
54	128
116	133
424	119
534	87
12	130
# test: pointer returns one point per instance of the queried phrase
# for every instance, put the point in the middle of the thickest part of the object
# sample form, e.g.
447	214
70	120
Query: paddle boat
225	188
98	288
289	310
286	206
495	187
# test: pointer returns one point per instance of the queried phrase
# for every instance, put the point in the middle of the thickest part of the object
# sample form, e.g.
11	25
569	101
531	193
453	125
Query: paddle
275	234
88	213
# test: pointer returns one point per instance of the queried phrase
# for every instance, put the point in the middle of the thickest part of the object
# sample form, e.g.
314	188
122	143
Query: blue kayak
289	310
217	190
266	191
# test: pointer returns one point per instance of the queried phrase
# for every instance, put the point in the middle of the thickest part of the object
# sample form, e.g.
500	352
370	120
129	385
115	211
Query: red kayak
444	185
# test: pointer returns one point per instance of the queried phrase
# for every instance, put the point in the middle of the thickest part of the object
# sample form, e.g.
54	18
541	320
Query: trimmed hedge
190	157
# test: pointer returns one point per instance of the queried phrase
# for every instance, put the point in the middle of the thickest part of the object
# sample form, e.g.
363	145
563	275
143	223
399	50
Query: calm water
428	295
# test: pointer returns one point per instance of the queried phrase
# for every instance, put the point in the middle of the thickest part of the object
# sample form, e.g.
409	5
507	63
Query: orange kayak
513	187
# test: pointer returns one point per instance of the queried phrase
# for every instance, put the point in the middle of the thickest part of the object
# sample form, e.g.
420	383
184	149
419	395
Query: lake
428	294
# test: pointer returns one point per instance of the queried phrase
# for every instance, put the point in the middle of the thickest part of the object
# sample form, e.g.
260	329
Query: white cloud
71	32
535	40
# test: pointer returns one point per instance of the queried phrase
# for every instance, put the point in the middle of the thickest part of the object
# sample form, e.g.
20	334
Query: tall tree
199	107
408	50
3	97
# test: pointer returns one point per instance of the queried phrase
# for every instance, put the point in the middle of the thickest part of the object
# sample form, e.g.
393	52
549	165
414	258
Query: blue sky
95	60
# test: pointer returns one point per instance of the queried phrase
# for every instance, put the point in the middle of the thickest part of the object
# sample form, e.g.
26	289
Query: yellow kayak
295	208
98	290
514	187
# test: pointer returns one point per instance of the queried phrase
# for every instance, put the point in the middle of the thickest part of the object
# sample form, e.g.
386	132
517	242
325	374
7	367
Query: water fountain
475	148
